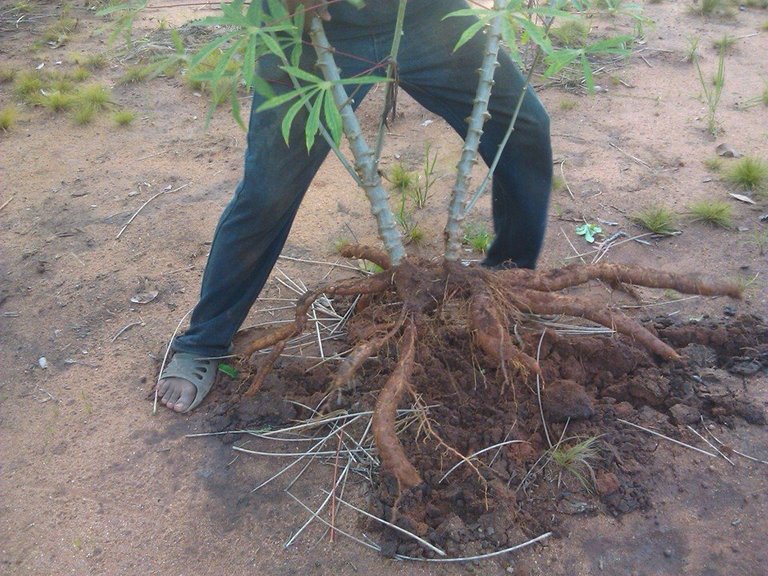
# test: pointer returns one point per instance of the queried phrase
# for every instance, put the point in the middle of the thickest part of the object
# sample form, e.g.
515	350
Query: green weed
84	114
692	53
96	96
749	173
725	42
124	117
57	101
7	74
28	84
420	192
58	33
478	237
713	93
137	73
577	460
8	116
714	212
571	33
80	74
714	164
657	219
401	178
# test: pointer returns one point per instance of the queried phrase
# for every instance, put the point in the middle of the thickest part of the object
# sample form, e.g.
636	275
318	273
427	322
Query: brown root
613	274
360	354
265	369
492	336
378	257
547	303
393	458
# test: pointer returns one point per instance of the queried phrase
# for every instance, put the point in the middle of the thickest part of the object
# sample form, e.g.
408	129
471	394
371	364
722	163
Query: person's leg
444	82
254	226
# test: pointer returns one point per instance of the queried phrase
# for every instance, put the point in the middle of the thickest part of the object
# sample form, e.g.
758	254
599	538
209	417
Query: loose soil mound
521	489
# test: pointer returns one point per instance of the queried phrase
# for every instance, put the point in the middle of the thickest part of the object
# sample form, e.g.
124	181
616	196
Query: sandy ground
93	483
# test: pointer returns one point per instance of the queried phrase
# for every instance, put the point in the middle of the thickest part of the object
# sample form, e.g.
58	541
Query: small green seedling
657	219
420	192
589	231
713	212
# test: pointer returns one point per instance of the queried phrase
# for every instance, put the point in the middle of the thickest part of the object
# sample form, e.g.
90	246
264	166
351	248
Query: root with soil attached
494	301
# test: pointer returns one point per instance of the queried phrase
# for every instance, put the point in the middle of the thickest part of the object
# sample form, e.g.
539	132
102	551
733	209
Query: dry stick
335	484
165	359
475	454
660	435
320	508
481	556
403	531
319	262
538	389
145	203
577	255
747	456
628	155
125	328
565	181
7	202
711	446
324	521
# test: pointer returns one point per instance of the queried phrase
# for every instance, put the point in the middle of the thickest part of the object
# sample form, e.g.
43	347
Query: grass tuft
8	116
714	212
134	74
124	117
478	237
80	74
96	96
577	460
7	74
402	179
571	33
749	173
714	164
27	84
657	219
84	114
56	101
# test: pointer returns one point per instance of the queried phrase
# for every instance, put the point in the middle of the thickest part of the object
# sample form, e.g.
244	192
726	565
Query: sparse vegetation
80	74
657	219
692	53
714	212
84	114
725	42
713	8
90	61
27	84
750	174
567	104
401	178
137	73
58	33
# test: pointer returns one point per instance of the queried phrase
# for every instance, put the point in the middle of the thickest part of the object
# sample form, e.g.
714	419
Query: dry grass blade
395	527
481	556
692	429
476	454
660	435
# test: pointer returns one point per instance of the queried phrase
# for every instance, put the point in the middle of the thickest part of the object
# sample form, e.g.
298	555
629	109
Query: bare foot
176	393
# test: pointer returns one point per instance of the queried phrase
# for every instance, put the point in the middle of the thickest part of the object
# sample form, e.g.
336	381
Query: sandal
201	372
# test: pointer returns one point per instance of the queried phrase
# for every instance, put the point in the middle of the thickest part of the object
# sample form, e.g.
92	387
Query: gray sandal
201	372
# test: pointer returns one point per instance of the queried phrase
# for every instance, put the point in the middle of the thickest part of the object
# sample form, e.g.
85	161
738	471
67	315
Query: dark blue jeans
254	226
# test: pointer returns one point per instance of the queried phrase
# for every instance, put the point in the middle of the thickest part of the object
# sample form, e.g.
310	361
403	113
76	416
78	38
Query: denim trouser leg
253	228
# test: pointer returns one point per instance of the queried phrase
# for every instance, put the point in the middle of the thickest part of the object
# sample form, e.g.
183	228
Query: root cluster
493	304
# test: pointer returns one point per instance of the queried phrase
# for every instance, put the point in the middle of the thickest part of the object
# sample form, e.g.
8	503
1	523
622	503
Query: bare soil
93	483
